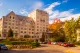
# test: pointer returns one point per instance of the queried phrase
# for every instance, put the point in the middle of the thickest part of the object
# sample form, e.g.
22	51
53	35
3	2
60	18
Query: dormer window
13	17
10	17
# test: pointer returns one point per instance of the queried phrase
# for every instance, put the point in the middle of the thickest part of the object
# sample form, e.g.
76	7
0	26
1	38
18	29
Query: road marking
67	51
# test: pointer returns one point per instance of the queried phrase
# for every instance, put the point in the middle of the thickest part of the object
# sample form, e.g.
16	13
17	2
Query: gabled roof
20	17
10	13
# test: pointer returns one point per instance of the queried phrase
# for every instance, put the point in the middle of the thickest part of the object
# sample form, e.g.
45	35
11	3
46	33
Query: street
44	48
31	51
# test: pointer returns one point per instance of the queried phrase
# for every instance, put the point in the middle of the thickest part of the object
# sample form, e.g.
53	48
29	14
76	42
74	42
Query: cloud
63	14
37	5
65	1
75	16
10	10
23	12
57	13
49	9
52	13
1	4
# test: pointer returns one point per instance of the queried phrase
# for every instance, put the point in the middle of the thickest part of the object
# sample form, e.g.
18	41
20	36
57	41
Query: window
29	32
6	20
4	35
43	30
13	17
37	23
32	29
10	17
32	32
21	31
5	30
9	26
37	29
37	26
16	31
24	28
25	25
21	36
24	31
13	27
5	26
32	36
16	27
9	23
43	27
0	35
29	29
12	23
21	28
40	30
37	36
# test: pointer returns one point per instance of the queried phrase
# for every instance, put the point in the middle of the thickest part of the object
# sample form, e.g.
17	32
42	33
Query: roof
20	17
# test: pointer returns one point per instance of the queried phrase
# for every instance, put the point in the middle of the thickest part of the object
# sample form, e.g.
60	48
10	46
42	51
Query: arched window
13	17
10	17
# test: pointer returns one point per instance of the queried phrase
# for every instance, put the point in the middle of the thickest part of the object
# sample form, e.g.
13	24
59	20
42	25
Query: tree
43	37
58	31
58	36
56	25
10	33
70	30
78	23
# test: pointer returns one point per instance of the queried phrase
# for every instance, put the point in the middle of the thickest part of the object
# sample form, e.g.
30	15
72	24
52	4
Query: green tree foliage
57	30
43	37
58	35
78	23
10	33
70	30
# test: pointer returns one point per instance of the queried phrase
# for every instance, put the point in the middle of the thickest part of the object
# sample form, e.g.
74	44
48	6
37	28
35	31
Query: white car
54	43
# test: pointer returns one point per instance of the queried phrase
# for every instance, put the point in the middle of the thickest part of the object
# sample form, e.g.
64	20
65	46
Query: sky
62	9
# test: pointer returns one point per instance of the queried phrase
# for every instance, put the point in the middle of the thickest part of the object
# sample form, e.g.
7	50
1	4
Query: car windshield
2	45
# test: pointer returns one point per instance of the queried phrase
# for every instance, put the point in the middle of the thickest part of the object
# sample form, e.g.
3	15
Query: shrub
78	43
3	41
35	44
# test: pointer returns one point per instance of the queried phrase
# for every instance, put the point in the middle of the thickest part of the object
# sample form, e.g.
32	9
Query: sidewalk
73	50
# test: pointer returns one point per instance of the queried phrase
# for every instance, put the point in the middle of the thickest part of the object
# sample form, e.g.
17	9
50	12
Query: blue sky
63	9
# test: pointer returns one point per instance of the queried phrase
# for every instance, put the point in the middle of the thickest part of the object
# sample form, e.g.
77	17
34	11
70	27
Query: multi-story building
34	24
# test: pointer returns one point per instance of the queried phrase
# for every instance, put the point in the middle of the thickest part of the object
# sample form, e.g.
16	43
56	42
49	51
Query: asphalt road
31	51
45	48
42	49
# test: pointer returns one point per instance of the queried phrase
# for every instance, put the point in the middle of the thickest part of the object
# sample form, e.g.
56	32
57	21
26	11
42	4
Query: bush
77	43
35	44
3	41
19	43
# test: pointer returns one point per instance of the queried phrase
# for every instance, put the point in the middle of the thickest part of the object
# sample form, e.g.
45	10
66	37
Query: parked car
60	43
43	42
54	43
0	47
49	42
68	45
3	47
